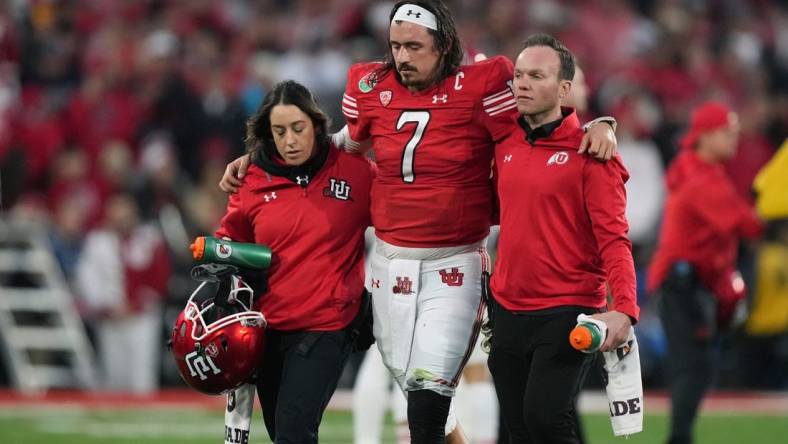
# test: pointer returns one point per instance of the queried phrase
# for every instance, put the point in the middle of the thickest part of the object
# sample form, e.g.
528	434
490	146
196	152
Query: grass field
72	424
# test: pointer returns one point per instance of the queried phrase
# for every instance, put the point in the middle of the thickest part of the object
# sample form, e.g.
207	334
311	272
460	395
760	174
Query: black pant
298	374
688	314
537	374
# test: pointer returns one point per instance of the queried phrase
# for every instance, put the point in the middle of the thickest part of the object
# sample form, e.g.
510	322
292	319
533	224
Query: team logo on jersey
338	189
403	286
452	278
558	158
367	83
385	97
443	98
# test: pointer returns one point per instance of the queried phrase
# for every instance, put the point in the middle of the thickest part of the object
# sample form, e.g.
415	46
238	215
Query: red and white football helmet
218	339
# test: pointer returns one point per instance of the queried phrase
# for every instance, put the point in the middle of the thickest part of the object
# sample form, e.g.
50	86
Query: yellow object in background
769	315
771	184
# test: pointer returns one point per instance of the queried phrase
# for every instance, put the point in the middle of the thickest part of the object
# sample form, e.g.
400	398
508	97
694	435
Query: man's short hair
567	68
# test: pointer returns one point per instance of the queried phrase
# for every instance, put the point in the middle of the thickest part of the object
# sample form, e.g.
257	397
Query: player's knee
427	413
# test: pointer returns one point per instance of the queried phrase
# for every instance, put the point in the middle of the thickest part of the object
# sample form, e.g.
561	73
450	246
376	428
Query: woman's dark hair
258	128
447	42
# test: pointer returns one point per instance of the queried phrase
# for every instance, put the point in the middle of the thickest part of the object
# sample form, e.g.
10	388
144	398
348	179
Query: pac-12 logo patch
385	97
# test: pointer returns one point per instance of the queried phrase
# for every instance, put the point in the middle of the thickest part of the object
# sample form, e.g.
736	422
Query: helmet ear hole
224	343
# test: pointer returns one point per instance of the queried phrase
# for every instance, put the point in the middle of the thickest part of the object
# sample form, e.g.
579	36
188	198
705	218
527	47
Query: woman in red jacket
693	267
309	202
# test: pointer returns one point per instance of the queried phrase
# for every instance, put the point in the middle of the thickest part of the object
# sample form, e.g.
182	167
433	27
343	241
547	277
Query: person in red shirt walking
563	241
693	269
309	202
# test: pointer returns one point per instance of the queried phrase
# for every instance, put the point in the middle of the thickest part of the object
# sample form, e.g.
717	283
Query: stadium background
147	99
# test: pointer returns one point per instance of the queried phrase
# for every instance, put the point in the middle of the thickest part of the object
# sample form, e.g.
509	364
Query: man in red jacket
562	243
693	268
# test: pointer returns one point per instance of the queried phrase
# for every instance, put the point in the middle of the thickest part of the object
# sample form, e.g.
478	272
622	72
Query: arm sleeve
606	200
724	211
235	224
357	120
498	107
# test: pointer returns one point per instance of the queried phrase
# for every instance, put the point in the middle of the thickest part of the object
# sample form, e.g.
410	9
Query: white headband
416	14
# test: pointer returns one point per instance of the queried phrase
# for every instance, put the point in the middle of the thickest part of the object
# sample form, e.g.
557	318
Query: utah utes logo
338	189
200	364
452	278
558	158
403	285
385	98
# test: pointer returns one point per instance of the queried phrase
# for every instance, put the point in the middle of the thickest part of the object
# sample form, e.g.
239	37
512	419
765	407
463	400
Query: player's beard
414	81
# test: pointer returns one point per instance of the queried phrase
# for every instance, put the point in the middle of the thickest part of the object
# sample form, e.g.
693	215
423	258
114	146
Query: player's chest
394	109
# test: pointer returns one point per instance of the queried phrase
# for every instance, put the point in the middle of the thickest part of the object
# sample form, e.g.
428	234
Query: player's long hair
258	128
447	41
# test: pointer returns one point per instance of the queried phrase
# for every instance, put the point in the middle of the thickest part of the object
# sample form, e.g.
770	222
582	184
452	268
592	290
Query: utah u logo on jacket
338	189
452	278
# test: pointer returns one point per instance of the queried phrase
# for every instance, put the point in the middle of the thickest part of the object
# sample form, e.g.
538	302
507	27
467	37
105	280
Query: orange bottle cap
198	248
580	338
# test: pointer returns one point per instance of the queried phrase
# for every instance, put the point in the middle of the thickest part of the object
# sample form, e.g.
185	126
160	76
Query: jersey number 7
421	119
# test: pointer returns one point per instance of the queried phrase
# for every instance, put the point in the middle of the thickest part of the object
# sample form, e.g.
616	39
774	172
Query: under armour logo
417	14
269	197
376	283
507	158
302	180
444	98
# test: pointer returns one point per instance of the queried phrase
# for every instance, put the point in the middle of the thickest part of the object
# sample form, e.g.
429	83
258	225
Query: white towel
403	291
238	414
624	387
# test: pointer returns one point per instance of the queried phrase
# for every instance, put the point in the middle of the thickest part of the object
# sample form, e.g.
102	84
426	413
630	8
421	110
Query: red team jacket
317	238
429	193
563	229
704	219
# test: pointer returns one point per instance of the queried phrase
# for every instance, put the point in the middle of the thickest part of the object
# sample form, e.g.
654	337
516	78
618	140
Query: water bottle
210	249
587	337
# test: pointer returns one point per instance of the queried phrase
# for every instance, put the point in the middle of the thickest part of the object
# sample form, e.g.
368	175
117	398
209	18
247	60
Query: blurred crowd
119	116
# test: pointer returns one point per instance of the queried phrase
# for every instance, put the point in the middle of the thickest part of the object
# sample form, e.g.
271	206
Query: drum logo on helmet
200	364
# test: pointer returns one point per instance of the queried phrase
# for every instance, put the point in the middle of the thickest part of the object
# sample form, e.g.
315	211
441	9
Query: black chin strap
213	272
